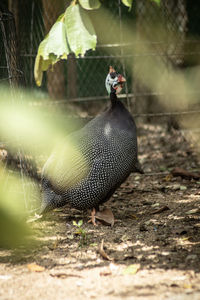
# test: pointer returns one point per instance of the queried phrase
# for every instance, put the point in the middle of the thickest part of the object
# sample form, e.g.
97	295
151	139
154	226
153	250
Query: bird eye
113	75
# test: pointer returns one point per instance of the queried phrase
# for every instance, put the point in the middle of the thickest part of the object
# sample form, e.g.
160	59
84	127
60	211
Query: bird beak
119	86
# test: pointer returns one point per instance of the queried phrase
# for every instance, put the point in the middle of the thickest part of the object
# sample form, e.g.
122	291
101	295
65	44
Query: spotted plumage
104	153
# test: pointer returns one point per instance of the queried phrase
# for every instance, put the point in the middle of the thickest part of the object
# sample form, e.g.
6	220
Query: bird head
114	81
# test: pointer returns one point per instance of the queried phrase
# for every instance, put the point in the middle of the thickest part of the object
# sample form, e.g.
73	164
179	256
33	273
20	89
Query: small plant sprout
81	232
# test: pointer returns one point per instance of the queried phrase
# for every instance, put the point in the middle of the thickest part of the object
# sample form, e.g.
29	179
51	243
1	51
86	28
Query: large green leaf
55	42
80	31
90	4
157	1
72	32
53	48
127	3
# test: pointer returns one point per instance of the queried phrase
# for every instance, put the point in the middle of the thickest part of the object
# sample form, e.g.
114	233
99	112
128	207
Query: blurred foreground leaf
14	229
24	129
36	130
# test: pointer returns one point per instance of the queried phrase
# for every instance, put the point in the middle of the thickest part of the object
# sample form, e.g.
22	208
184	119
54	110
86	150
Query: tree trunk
55	76
71	76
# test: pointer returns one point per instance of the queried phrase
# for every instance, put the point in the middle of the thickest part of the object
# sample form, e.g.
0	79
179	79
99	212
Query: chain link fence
10	72
175	44
82	79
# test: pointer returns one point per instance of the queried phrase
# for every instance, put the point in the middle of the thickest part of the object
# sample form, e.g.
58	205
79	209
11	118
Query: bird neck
113	99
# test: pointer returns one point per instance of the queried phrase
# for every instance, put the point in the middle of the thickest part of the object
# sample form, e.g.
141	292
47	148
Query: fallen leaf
124	238
64	275
183	188
106	216
174	187
155	204
133	216
185	238
93	244
187	286
70	236
105	273
131	269
168	177
184	173
160	210
35	268
103	253
192	211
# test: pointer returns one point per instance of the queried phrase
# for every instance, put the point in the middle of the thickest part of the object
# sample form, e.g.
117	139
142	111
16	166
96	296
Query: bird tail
138	168
20	163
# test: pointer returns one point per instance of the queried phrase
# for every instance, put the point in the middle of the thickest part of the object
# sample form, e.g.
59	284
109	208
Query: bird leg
93	219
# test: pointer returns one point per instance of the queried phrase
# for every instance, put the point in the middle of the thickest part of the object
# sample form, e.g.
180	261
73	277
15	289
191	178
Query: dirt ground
153	249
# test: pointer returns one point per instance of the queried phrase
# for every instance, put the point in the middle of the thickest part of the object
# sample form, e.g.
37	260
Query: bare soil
153	247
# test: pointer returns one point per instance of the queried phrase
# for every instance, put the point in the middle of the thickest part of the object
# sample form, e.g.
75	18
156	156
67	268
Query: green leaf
93	244
127	3
80	31
74	223
55	42
157	1
183	188
80	223
131	269
72	32
53	48
90	4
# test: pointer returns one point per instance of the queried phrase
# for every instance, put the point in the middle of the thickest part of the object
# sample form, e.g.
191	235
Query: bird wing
66	166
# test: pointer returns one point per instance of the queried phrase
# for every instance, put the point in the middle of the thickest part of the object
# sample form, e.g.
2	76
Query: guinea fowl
94	160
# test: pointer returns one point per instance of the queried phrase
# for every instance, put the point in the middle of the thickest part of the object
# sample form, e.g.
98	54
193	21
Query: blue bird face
114	81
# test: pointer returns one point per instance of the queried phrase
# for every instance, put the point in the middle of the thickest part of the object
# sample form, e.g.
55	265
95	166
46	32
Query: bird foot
105	216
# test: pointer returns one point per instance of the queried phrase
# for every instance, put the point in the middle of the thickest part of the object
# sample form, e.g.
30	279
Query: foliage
29	132
127	3
80	32
72	32
12	213
157	1
81	231
53	48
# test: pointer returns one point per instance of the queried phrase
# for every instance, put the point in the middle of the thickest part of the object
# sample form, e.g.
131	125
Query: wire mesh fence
23	25
82	79
175	44
9	68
